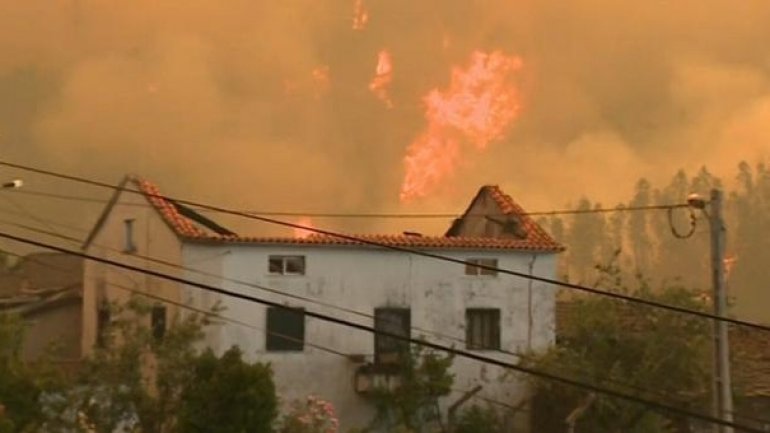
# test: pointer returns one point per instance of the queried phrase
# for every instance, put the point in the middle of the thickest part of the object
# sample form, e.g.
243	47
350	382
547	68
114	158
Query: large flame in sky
477	107
383	75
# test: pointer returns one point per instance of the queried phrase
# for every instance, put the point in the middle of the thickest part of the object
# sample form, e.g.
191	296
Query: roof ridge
509	206
180	224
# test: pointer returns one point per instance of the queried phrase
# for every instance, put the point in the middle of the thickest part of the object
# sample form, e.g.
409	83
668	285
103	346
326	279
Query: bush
228	395
311	416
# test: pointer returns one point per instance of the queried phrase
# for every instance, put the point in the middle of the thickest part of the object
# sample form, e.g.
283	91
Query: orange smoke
321	80
383	75
360	15
301	233
479	105
317	82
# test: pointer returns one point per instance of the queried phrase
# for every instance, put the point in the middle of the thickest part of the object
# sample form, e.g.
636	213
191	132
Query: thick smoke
218	100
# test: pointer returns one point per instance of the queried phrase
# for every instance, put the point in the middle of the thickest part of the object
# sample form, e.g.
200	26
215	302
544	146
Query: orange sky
219	100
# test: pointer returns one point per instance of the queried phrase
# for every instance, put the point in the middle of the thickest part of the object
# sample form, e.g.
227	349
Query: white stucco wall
363	279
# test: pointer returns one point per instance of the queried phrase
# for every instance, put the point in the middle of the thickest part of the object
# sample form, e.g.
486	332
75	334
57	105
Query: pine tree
642	246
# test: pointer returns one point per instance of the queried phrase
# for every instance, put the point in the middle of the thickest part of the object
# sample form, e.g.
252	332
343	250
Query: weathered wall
363	279
152	238
57	327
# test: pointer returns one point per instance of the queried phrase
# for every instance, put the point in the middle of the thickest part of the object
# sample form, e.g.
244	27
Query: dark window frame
483	329
278	264
396	320
158	321
472	268
129	245
103	321
281	334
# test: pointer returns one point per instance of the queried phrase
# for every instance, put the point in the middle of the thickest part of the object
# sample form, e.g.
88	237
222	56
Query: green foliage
140	383
648	352
19	392
478	419
424	377
228	395
135	380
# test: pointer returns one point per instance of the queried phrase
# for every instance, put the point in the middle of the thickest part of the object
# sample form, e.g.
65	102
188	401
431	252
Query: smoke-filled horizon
291	105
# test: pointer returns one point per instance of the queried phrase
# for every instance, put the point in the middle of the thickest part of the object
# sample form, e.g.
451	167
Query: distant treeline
642	243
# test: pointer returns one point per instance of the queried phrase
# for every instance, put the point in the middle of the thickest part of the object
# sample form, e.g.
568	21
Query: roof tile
536	240
535	234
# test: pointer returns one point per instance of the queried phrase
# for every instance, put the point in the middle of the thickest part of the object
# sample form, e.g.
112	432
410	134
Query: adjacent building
45	291
374	280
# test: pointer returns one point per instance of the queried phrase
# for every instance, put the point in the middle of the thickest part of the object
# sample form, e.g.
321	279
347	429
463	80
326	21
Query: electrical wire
360	215
693	224
652	404
427	331
359	240
316	302
652	392
208	313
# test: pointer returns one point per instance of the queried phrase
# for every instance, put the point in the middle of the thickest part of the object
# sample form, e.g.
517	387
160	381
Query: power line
320	303
435	346
26	213
653	392
359	240
316	302
208	313
362	215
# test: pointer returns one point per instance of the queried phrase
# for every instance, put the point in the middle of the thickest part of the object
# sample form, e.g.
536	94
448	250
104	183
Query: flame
729	264
383	75
302	233
480	103
360	15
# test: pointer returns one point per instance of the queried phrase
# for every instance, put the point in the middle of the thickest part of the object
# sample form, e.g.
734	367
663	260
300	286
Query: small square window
482	330
286	265
474	267
285	329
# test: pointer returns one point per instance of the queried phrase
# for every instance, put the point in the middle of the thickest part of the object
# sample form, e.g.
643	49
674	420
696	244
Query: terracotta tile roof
189	230
405	241
181	225
535	235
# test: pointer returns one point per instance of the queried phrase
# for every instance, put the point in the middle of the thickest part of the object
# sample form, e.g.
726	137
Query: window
286	265
158	321
285	329
472	267
388	350
102	325
129	245
482	330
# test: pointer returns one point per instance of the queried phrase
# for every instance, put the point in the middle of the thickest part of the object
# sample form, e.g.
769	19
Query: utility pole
723	394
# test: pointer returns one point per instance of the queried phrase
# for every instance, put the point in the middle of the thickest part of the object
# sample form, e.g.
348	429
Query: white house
458	305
